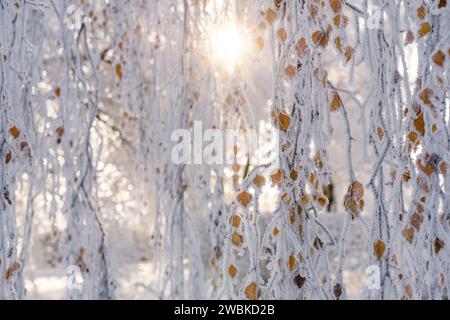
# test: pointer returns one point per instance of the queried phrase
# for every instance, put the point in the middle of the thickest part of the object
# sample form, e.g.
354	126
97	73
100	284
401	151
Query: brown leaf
409	37
271	16
336	102
290	71
277	177
232	271
409	291
299	281
259	181
379	248
8	157
301	47
251	291
408	233
335	5
244	198
15	132
236	239
282	34
349	53
285	121
421	12
439	58
118	69
58	91
337	291
320	38
438	245
357	189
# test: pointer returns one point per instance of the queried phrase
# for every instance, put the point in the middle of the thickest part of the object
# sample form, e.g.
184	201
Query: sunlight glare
227	46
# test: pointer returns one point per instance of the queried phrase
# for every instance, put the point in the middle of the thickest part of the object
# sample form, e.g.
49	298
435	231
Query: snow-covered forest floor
133	267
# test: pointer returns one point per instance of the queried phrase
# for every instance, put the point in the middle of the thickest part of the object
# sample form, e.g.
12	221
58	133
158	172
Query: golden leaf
294	175
419	124
379	248
291	263
421	12
335	5
232	271
380	133
276	232
285	121
119	72
424	29
235	221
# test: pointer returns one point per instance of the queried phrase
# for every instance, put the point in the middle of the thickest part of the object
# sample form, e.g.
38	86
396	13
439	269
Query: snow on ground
134	270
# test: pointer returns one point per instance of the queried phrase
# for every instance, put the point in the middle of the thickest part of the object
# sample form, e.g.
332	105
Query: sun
227	46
